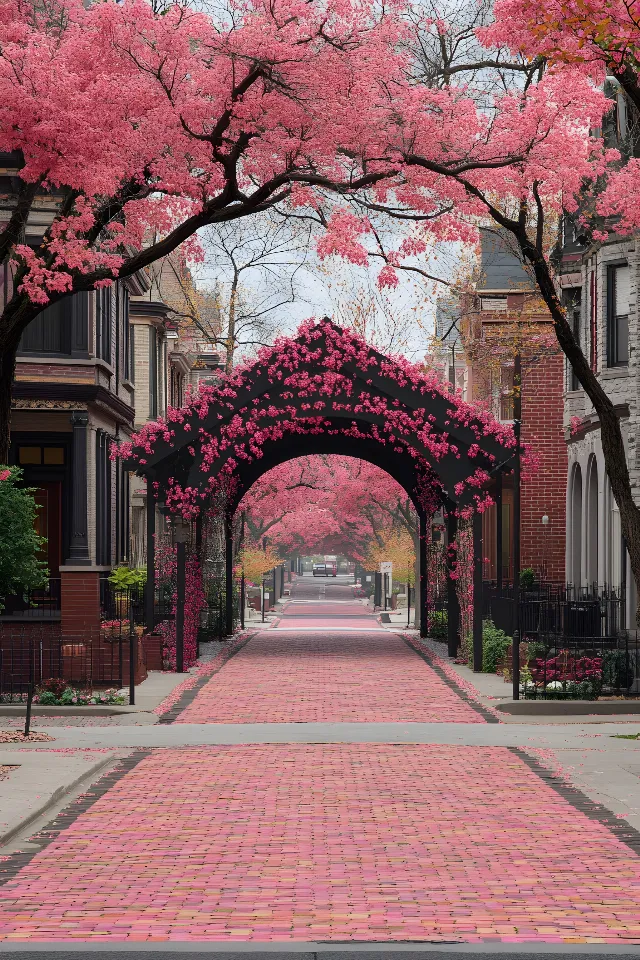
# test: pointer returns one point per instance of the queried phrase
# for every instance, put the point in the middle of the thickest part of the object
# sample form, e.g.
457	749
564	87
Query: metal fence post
477	592
150	587
242	598
132	668
453	604
27	721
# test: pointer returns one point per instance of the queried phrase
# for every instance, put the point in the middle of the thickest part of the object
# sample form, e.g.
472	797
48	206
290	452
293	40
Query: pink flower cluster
194	602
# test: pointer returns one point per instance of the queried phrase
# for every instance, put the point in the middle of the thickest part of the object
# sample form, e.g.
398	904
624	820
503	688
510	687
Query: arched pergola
324	391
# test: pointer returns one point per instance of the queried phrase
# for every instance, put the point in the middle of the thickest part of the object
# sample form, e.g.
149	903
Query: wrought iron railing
27	656
36	604
574	641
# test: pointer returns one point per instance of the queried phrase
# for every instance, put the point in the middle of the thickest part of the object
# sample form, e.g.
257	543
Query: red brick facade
544	490
80	603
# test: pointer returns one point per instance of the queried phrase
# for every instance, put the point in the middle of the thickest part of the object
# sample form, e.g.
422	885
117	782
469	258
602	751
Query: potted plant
124	579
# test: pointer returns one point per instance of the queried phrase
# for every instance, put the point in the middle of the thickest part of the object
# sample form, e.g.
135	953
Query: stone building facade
600	289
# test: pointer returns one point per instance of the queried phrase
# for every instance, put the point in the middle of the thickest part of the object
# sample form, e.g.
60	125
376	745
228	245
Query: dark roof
501	267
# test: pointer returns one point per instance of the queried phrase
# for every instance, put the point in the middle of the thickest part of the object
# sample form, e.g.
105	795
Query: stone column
79	549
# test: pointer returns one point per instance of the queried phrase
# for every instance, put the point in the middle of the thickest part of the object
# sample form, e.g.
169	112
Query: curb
568	708
17	710
57	795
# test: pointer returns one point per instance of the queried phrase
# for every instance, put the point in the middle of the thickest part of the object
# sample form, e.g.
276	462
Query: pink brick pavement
329	842
328	614
320	676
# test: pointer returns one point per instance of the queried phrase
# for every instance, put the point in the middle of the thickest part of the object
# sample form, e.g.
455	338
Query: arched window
576	527
615	548
592	523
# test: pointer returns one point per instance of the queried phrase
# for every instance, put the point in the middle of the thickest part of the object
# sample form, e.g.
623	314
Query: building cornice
153	309
80	392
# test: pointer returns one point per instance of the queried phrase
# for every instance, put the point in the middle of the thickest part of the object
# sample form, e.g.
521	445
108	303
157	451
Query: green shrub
495	644
536	651
527	578
47	699
438	629
617	670
569	690
124	577
20	545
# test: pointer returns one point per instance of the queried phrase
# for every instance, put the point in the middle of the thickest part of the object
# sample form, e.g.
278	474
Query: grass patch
626	736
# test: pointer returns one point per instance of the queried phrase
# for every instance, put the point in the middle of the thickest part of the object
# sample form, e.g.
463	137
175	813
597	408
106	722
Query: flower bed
57	693
563	677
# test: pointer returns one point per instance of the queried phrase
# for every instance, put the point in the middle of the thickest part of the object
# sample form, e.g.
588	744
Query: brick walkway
326	842
329	842
324	677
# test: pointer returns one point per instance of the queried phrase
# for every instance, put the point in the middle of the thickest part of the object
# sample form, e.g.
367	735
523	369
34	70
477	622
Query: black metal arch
180	457
401	467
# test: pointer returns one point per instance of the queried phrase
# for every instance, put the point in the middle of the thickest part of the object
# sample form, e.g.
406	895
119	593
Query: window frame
104	318
613	320
572	302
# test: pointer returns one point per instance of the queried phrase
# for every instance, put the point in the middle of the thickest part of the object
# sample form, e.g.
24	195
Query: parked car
325	569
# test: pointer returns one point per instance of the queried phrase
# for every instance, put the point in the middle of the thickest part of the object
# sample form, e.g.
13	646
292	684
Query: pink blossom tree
130	129
326	504
133	123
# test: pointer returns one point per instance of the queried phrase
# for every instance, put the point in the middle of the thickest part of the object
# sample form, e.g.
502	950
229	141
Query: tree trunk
7	373
230	342
610	432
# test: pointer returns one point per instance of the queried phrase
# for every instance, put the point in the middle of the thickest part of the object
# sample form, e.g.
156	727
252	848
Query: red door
48	497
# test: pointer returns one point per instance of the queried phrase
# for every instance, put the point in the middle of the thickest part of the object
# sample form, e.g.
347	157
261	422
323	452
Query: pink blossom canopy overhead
160	122
326	390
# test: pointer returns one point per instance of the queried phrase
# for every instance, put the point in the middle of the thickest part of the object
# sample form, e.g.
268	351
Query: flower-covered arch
323	391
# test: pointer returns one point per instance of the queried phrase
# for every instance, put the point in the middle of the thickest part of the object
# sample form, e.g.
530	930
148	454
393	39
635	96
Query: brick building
91	369
504	314
73	396
174	328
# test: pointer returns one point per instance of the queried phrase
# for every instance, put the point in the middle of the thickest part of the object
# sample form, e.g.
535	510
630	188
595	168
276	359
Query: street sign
386	567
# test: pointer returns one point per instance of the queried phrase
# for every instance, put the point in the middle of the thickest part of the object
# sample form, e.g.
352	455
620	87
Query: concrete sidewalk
41	779
543	736
149	695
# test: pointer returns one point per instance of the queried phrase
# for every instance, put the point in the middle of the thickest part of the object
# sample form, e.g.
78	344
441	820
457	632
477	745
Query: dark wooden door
48	497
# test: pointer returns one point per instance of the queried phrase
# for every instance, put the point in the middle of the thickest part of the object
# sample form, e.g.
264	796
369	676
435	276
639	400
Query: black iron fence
583	668
125	605
84	663
574	640
36	604
557	610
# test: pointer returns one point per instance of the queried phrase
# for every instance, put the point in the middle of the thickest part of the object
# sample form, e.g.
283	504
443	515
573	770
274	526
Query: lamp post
517	467
180	536
545	525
